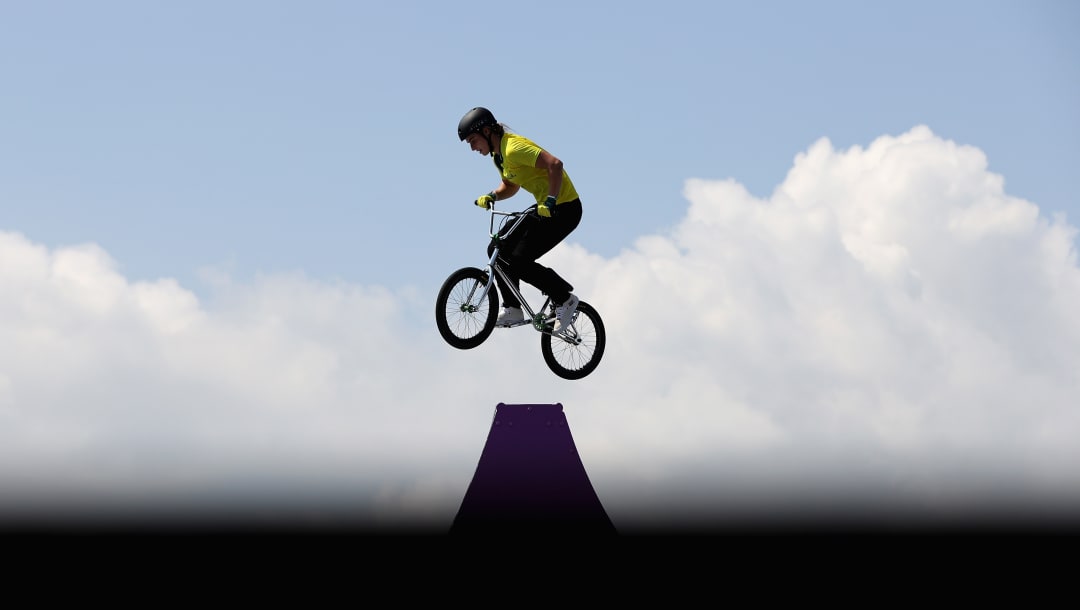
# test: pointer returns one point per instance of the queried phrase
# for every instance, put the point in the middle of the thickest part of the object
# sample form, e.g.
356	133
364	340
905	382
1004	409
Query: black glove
547	209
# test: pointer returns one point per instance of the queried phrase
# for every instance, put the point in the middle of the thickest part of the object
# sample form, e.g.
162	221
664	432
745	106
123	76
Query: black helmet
475	120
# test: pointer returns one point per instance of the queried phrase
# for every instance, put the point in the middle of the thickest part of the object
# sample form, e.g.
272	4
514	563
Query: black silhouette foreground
530	479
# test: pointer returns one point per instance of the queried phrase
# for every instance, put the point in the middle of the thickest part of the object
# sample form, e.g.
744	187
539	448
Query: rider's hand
547	209
486	200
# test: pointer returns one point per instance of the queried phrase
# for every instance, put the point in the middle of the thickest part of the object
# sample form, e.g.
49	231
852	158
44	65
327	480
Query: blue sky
263	136
277	187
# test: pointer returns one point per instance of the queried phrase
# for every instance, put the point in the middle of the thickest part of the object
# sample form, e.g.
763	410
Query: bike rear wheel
465	320
576	352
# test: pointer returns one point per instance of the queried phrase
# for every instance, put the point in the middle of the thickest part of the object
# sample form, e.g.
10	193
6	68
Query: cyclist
524	164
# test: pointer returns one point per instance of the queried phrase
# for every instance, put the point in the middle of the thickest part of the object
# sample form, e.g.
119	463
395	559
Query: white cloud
892	305
889	324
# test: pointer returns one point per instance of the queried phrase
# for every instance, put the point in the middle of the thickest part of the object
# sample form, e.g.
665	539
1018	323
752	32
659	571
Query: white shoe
510	316
564	314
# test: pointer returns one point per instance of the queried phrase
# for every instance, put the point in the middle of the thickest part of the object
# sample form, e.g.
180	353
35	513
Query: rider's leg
508	298
543	235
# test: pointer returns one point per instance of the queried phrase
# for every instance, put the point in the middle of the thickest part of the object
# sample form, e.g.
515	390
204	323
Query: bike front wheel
576	351
466	318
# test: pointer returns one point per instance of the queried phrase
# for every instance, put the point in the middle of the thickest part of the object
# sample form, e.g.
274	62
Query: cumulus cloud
889	326
133	393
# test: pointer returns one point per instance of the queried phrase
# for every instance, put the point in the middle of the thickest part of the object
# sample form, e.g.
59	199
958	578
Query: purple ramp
530	478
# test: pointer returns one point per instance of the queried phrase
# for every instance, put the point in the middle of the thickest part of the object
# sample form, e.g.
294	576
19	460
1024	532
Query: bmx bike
468	301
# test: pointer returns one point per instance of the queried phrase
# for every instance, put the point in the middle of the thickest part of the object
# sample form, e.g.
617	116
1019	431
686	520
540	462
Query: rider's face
478	143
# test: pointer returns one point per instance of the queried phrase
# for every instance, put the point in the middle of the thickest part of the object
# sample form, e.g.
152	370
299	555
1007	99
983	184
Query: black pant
534	238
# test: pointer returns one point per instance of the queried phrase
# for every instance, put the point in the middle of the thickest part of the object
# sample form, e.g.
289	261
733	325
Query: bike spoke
575	351
465	314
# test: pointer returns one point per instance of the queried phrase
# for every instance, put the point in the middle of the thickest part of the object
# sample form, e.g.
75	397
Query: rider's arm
506	189
554	167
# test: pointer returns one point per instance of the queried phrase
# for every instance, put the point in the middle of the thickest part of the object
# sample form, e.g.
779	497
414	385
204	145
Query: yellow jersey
519	155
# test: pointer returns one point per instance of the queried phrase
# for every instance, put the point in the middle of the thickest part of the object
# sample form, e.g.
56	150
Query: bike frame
493	267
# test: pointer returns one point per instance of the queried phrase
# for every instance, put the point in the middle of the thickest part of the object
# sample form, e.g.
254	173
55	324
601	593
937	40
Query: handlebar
529	211
517	218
